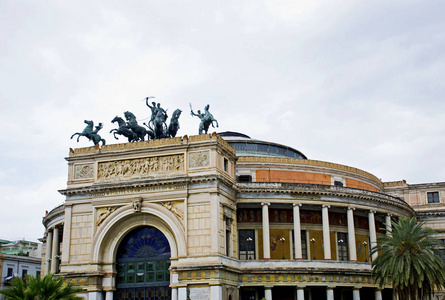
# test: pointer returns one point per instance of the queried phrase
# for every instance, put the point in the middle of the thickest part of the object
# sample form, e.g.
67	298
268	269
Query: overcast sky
359	83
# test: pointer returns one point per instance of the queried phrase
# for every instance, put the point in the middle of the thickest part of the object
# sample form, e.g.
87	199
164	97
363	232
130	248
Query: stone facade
233	226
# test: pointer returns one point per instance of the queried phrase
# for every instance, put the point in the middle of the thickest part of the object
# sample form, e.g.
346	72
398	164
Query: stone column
329	293
174	293
378	295
182	293
300	293
268	292
388	223
95	296
326	236
297	231
55	255
109	295
216	292
351	235
372	232
48	255
356	294
266	234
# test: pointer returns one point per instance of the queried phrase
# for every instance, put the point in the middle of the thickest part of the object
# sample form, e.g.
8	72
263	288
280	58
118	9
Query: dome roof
246	146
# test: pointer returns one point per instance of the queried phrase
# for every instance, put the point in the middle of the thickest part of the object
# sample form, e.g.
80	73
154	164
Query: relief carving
176	208
83	171
141	167
102	214
199	159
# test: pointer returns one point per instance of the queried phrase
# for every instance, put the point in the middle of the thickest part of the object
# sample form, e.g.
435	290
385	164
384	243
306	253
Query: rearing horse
206	119
86	132
91	134
174	124
123	130
140	131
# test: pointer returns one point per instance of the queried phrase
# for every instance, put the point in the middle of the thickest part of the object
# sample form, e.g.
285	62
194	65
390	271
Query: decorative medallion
83	171
199	159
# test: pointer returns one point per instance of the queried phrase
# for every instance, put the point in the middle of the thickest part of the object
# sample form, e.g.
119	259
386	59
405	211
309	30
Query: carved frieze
140	190
82	171
103	213
175	207
199	159
141	167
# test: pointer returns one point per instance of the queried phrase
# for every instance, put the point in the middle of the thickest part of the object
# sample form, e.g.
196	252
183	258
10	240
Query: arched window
142	263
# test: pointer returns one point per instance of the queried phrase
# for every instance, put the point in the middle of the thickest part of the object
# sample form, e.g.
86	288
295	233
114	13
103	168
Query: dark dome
233	134
246	146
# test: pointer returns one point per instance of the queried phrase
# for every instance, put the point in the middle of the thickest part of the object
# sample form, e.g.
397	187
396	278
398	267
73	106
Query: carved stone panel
200	293
199	159
103	213
83	171
140	167
176	207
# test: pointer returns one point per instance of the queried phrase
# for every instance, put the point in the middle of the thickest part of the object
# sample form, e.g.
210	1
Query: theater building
223	217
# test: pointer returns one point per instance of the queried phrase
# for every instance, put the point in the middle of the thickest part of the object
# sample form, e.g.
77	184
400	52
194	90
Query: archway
142	263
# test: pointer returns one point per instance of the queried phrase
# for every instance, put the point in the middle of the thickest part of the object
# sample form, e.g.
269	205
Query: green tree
37	288
409	259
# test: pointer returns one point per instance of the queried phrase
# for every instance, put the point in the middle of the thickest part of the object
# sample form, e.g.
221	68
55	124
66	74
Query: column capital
389	215
297	204
349	208
265	203
372	211
325	205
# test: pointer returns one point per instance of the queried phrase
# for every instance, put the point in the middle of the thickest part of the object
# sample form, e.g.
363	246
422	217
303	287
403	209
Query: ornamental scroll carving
83	171
199	159
176	208
141	167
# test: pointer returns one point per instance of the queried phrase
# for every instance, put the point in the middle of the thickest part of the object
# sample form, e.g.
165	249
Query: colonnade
52	254
326	231
329	293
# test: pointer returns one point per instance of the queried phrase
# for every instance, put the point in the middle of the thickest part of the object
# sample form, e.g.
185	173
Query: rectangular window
303	244
251	147
10	272
246	244
37	274
244	178
24	272
342	246
228	236
433	197
338	183
226	165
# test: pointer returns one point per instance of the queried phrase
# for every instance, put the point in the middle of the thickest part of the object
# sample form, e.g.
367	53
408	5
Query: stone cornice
178	181
152	144
400	183
280	266
308	162
422	214
317	189
58	211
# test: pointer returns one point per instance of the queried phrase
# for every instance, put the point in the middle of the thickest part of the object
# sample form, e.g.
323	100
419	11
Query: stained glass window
142	264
